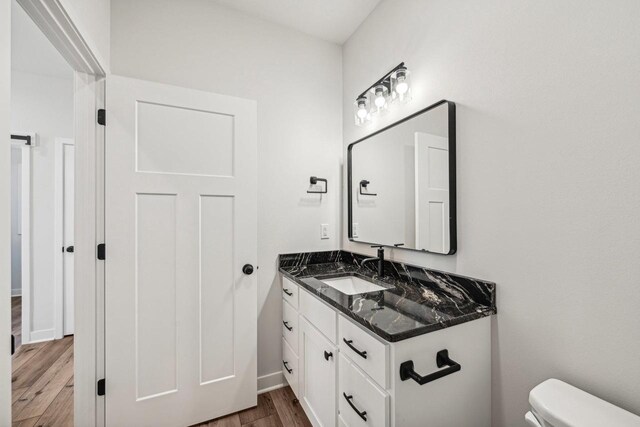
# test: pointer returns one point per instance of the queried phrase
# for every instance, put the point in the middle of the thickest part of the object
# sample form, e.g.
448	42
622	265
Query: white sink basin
352	285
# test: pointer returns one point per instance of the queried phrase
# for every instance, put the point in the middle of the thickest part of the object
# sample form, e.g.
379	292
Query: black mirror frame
453	228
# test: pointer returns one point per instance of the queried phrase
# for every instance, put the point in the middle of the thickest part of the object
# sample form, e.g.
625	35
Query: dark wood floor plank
40	395
232	420
29	373
291	414
25	352
264	409
17	394
31	422
270	421
60	412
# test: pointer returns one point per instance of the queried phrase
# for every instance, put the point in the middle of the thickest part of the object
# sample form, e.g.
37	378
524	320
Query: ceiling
331	20
31	51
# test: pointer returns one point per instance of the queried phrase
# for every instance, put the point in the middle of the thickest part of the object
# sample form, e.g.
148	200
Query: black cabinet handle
362	354
286	366
286	291
442	359
327	355
286	325
70	249
362	414
247	269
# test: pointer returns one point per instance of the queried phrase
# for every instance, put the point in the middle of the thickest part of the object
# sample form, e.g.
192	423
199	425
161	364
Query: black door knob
247	269
69	248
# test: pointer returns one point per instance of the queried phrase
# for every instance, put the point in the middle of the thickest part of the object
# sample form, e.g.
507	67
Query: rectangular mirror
402	183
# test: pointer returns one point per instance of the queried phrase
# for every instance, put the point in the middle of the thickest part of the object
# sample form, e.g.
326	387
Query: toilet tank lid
563	405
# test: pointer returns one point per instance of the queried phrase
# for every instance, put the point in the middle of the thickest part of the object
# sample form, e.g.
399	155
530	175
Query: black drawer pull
286	291
442	359
362	354
362	414
286	325
327	355
286	366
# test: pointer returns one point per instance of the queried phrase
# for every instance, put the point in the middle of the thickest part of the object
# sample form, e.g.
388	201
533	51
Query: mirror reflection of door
432	192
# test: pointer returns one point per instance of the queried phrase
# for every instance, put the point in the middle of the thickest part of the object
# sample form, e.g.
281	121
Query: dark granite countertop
416	300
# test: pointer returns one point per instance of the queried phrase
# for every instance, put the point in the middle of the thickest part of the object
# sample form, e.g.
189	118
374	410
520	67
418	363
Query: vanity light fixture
395	86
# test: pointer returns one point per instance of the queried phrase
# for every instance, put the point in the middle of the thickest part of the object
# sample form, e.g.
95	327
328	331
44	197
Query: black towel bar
442	359
314	181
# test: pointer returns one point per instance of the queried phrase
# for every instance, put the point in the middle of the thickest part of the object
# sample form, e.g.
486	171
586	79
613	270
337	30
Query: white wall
92	19
42	104
5	212
548	100
296	81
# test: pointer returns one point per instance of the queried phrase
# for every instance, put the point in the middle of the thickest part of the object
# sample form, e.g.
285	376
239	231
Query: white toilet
557	404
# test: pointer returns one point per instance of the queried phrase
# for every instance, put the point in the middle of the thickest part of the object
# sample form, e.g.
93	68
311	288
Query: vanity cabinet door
318	374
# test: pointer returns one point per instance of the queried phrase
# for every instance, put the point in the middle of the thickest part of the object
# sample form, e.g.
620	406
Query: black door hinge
102	251
13	344
101	388
102	117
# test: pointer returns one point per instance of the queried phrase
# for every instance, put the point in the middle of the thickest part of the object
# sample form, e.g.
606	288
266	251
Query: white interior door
16	220
181	222
64	236
68	194
432	193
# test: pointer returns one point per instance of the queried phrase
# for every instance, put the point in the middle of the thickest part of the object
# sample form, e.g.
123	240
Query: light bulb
402	87
380	101
362	112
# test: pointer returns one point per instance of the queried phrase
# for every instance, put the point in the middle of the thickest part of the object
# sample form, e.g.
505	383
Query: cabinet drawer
323	317
362	402
290	325
290	292
370	354
290	366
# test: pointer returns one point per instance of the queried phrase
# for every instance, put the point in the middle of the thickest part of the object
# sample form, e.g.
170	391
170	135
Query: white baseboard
270	382
16	292
41	335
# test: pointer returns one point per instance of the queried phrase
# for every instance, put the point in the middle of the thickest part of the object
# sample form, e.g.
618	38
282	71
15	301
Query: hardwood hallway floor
42	383
277	408
42	380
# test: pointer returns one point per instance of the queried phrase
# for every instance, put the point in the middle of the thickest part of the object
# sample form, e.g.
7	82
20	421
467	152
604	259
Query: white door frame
58	235
25	229
57	25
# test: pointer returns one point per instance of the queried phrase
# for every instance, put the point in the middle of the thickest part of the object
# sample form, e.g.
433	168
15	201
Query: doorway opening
42	225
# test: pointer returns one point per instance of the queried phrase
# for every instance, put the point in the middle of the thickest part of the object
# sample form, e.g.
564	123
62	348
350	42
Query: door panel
217	293
181	318
155	286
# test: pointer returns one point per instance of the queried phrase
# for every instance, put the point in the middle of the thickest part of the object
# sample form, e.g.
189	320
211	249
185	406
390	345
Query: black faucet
379	258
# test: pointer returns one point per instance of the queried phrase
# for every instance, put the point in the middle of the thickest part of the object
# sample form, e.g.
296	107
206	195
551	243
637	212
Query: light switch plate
354	230
324	231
